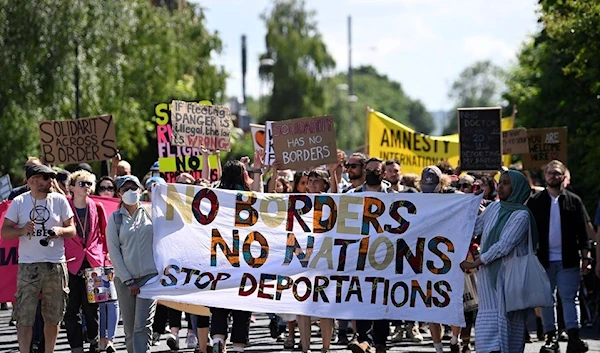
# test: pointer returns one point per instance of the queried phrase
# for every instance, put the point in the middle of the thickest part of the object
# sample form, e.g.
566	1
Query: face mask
372	178
130	197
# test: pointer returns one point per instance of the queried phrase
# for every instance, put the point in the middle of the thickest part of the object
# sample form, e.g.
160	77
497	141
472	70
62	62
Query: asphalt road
260	340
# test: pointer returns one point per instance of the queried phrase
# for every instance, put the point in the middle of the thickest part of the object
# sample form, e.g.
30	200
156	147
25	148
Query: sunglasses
106	188
125	189
464	185
85	183
352	165
47	177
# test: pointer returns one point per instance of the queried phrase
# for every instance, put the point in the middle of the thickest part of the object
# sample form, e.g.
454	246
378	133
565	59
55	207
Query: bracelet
255	171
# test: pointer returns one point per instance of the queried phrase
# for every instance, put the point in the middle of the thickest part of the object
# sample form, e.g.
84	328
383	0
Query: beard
554	184
355	176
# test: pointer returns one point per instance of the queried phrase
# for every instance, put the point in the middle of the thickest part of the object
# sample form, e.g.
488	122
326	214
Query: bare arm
67	230
10	229
205	164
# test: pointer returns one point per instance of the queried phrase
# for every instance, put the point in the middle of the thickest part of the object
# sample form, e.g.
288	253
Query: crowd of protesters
84	237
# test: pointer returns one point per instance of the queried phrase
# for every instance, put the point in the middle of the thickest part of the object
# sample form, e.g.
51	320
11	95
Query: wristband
129	283
255	171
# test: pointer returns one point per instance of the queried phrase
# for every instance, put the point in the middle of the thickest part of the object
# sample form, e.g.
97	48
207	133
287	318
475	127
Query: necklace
83	226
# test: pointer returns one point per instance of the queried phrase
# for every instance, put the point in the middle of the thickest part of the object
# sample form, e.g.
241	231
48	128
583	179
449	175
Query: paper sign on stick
305	142
198	125
5	187
269	149
545	145
78	140
515	141
258	136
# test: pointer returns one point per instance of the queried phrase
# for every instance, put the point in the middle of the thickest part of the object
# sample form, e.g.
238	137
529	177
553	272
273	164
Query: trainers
414	335
110	348
191	341
398	334
156	339
563	336
577	346
173	342
281	337
217	347
551	345
342	338
380	348
454	348
93	348
466	348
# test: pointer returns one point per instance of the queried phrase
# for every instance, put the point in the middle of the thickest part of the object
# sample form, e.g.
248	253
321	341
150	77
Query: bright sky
423	44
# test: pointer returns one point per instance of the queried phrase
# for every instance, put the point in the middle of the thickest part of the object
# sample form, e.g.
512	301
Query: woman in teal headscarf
505	227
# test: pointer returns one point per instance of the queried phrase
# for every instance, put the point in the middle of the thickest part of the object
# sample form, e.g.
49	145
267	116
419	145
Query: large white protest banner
346	256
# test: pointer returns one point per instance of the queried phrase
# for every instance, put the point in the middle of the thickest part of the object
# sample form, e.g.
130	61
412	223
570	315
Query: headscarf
515	202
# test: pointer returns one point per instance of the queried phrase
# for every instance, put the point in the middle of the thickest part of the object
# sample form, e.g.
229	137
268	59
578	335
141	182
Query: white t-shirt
555	231
53	211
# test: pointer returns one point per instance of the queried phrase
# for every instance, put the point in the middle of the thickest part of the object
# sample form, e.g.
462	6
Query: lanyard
83	226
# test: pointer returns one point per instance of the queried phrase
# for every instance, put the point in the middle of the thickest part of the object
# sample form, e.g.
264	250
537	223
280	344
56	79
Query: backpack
118	217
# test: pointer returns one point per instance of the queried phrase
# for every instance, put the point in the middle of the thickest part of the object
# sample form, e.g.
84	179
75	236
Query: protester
505	226
411	180
150	184
561	219
355	169
62	176
34	216
300	182
85	250
393	174
374	175
466	184
84	166
185	178
106	187
129	238
31	161
234	177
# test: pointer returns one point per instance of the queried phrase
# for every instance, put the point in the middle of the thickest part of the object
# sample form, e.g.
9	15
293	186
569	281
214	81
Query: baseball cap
154	167
466	179
125	178
153	180
62	175
39	170
85	166
430	179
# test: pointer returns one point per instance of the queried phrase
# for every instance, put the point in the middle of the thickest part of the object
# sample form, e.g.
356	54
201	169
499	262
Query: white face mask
130	197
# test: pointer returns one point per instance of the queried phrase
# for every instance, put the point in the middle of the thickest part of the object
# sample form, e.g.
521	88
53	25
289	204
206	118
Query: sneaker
281	337
563	336
398	334
414	335
173	342
274	327
93	348
191	340
155	339
466	348
380	348
454	348
342	338
551	345
217	347
577	346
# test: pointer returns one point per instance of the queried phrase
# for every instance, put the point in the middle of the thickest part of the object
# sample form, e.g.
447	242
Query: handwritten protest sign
305	142
515	141
346	256
270	149
545	145
199	125
174	160
480	138
258	136
78	140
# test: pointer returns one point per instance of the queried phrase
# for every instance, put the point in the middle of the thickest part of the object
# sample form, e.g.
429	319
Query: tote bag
526	284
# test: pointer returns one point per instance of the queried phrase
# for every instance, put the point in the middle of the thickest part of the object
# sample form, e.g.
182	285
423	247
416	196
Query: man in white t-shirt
40	219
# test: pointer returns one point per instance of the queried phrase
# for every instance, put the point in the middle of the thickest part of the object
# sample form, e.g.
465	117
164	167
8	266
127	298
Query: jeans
138	315
381	329
73	320
567	281
109	319
240	328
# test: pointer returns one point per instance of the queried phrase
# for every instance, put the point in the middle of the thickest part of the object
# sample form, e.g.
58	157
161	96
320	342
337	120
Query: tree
479	85
382	94
300	61
131	55
556	84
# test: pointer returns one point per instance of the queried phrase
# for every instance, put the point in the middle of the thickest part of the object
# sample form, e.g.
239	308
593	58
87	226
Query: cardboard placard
545	145
174	160
270	149
480	138
5	187
515	141
199	125
78	140
305	142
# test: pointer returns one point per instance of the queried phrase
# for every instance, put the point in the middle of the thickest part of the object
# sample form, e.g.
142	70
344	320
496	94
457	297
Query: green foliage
556	84
479	85
300	60
381	94
131	55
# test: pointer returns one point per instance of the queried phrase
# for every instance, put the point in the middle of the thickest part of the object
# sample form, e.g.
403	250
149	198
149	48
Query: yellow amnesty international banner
507	124
389	139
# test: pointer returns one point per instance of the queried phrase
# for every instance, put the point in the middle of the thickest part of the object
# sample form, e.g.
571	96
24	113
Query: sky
423	44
